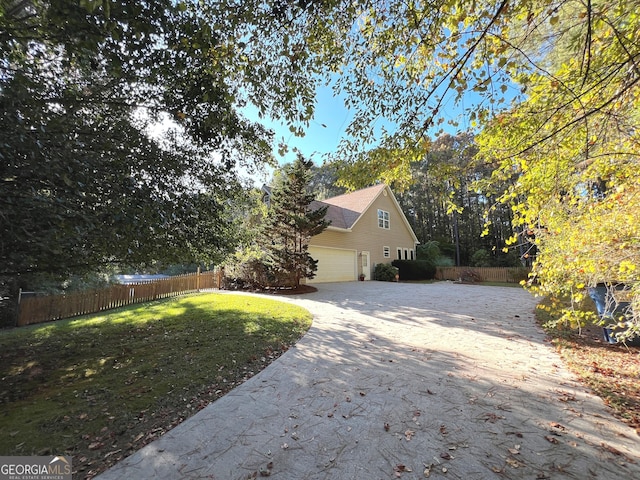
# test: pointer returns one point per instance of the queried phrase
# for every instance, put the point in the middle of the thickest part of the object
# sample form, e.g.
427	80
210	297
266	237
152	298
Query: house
367	227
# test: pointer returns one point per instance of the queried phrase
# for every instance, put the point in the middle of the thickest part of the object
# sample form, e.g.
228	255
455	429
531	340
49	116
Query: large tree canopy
554	88
552	84
122	136
84	179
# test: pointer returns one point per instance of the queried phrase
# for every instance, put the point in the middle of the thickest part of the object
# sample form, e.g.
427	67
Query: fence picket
55	307
487	274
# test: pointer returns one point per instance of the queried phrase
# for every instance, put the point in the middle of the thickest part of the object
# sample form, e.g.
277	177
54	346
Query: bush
429	251
415	269
385	272
481	258
518	274
444	262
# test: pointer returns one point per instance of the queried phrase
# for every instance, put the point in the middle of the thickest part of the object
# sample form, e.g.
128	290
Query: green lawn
101	386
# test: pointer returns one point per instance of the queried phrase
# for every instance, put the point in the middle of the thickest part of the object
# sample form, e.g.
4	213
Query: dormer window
383	219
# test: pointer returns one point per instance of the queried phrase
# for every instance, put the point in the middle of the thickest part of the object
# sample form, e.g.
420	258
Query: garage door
334	264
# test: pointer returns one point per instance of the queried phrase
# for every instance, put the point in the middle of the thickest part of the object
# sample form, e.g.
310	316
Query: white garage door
334	264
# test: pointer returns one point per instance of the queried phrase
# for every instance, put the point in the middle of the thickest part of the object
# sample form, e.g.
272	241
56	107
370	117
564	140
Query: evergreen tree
291	223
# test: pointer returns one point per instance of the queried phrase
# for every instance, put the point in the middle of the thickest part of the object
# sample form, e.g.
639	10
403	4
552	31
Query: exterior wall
367	236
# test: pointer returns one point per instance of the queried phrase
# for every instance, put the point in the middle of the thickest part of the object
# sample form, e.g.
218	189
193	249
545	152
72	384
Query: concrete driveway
403	381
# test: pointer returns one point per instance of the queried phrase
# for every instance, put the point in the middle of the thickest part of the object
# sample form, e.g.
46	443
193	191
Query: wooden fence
55	307
483	274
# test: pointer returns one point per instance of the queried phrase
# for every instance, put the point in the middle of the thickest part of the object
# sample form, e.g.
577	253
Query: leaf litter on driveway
489	360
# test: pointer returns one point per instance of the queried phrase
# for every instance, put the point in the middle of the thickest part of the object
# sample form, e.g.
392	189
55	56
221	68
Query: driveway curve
403	381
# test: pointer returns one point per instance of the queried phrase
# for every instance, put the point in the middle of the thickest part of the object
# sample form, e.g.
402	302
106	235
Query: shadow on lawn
102	386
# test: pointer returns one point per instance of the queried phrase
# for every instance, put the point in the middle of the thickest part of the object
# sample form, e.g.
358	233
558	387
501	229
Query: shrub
428	251
481	258
385	272
415	269
444	262
518	274
250	269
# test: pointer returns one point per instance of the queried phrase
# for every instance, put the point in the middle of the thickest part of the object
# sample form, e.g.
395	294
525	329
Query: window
411	256
386	252
383	219
406	254
399	254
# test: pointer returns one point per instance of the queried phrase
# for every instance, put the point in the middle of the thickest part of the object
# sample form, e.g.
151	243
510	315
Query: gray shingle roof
345	210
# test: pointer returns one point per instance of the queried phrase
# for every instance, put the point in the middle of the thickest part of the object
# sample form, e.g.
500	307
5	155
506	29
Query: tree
324	181
84	86
556	87
443	204
569	155
291	223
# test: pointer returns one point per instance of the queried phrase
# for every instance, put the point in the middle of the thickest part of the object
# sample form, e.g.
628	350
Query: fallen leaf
409	434
386	427
284	446
112	453
446	456
265	472
96	445
443	430
513	462
444	470
427	471
492	417
551	439
611	449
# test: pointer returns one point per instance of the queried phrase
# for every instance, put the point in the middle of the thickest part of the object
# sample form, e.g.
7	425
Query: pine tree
291	223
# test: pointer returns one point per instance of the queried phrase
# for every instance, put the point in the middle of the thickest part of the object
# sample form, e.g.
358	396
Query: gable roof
344	211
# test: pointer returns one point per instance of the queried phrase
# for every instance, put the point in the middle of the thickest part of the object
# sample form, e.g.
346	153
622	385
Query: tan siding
370	237
367	236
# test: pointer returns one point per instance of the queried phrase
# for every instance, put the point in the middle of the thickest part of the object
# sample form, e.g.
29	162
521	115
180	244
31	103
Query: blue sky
323	134
332	119
330	123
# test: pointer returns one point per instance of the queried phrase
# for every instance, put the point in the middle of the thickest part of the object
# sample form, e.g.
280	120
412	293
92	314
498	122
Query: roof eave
339	229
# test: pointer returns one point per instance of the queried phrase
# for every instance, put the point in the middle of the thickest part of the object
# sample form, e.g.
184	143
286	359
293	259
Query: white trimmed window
386	252
383	219
399	253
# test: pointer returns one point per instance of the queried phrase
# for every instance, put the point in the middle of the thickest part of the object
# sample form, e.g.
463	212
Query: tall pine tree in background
291	223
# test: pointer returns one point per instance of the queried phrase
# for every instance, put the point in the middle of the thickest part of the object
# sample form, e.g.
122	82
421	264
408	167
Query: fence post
198	280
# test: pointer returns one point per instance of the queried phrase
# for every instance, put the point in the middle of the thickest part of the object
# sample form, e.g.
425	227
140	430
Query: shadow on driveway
401	381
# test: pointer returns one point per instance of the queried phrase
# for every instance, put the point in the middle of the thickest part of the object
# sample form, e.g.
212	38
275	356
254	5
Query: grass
611	371
100	387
